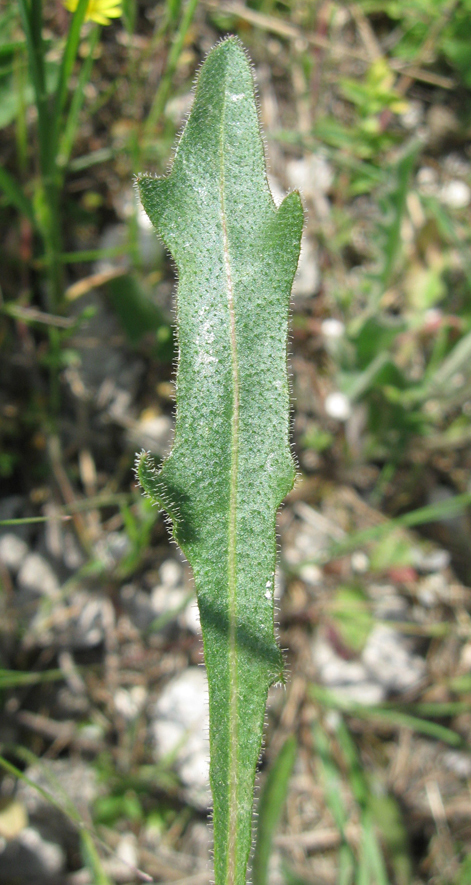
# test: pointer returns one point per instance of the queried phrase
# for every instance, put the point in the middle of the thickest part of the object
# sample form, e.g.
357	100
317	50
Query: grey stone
114	236
427	180
171	573
13	551
312	175
311	574
167	599
60	542
458	762
107	373
276	189
388	604
457	165
127	851
457	524
79	623
307	279
138	605
68	782
389	661
30	858
112	548
190	618
430	560
69	779
70	704
338	406
413	116
349	679
13	507
456	194
198	842
180	723
154	433
432	590
179	107
130	702
36	577
151	249
143	608
442	123
313	537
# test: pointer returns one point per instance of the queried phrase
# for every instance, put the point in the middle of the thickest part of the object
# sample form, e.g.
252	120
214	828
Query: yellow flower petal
99	11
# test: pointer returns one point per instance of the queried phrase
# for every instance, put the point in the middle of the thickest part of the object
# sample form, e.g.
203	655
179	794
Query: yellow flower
100	11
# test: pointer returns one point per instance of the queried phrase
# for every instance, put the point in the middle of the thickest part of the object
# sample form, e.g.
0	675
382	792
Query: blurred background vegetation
366	772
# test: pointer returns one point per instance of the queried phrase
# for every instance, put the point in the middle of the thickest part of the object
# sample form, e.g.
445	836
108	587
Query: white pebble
338	406
36	576
349	679
190	618
49	857
360	562
13	550
311	574
129	702
165	599
456	194
389	661
181	725
427	179
332	328
434	560
413	116
143	219
126	850
457	762
307	279
171	573
433	316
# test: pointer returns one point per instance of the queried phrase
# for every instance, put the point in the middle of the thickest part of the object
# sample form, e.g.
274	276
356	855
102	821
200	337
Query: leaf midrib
232	539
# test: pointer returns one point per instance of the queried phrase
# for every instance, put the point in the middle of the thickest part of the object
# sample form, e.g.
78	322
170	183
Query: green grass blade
270	807
31	17
13	678
71	124
67	64
331	779
333	796
464	874
231	464
371	852
16	195
92	860
388	714
395	209
456	361
58	798
423	515
160	100
66	809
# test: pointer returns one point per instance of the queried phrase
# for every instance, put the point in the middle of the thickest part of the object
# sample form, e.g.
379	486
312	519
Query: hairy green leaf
230	466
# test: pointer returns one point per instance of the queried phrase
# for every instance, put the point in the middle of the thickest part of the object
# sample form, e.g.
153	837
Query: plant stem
70	129
48	203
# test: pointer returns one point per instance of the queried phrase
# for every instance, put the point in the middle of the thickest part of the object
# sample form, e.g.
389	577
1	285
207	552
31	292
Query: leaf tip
145	471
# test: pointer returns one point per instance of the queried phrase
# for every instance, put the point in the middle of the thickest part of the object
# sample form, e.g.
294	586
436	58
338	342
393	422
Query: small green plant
231	465
57	124
366	137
